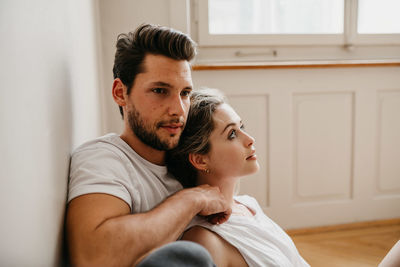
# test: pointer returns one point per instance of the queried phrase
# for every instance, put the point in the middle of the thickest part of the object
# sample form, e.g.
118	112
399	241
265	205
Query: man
123	204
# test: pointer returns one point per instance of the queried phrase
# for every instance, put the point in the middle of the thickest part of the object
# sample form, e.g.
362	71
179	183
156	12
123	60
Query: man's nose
177	106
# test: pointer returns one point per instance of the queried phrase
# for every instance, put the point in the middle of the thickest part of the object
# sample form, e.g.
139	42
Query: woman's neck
226	184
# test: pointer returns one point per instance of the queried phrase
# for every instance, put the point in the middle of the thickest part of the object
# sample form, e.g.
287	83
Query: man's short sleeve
99	170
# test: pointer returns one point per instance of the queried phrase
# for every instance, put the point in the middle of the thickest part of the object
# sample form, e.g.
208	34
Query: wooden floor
362	244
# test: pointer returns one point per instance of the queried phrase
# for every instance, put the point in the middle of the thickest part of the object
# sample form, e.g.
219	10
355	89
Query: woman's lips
253	156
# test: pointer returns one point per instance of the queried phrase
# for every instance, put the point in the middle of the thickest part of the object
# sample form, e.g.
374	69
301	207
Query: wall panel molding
388	143
323	130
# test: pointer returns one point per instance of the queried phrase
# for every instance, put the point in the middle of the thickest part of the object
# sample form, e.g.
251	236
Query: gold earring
206	170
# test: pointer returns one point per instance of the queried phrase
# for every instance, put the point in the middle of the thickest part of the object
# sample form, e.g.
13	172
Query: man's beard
146	133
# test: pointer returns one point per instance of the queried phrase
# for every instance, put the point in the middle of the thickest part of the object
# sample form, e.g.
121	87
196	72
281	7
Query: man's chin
159	144
171	144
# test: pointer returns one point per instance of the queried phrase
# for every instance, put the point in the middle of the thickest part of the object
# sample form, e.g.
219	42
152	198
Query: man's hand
215	207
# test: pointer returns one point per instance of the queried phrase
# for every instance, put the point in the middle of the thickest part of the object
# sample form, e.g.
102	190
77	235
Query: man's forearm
121	240
140	233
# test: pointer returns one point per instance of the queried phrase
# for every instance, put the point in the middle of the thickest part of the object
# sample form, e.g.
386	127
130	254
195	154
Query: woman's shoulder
201	235
208	239
222	252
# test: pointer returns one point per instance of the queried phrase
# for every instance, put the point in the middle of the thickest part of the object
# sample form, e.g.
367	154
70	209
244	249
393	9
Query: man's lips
173	128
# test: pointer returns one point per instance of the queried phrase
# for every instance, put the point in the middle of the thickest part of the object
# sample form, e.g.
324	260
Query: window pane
378	16
275	16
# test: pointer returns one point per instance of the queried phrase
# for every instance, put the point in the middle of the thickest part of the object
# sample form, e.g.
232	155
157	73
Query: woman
214	149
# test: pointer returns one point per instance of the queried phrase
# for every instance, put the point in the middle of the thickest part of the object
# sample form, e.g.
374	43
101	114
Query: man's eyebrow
162	84
167	85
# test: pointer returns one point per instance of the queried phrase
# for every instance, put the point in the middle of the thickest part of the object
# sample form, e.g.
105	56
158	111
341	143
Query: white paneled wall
323	127
327	141
388	144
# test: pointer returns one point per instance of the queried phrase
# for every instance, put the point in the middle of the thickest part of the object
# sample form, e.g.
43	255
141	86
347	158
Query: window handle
250	54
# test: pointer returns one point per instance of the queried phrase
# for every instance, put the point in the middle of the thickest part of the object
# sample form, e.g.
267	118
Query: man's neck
148	153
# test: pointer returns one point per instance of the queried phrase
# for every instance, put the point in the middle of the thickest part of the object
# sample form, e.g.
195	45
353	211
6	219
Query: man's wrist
194	197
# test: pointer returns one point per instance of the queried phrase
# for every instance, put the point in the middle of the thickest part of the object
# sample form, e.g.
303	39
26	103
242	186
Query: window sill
298	64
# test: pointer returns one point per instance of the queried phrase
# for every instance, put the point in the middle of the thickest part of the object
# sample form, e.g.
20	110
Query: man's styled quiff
132	47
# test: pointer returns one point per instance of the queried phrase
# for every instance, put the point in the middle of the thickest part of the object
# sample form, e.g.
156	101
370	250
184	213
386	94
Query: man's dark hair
148	39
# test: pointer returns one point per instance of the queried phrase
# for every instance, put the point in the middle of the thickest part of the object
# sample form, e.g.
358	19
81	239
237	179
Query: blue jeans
178	254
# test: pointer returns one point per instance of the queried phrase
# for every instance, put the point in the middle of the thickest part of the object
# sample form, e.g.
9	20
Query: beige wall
49	103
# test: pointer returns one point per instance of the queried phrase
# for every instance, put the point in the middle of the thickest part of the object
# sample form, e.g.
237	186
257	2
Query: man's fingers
213	219
219	218
216	209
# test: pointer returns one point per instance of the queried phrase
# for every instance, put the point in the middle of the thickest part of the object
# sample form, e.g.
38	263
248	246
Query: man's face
159	101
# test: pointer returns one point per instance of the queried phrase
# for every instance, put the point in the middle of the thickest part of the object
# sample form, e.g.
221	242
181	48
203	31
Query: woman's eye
232	135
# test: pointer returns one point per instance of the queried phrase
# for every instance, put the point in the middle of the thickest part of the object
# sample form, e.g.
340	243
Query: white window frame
349	37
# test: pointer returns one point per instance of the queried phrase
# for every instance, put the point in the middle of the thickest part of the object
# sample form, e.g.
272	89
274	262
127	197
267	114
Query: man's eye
159	90
185	93
232	135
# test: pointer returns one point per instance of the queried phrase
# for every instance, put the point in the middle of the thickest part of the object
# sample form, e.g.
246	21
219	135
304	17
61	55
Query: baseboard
342	227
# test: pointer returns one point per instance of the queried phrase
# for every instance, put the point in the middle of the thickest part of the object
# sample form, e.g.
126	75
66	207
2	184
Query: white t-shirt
260	241
109	165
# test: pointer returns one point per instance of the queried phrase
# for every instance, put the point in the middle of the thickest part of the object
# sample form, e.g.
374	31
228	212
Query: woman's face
232	152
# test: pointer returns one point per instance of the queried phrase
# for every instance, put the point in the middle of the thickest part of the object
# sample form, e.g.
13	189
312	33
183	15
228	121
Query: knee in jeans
179	253
192	250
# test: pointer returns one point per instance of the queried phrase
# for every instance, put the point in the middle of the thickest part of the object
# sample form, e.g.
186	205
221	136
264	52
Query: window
378	17
295	22
275	17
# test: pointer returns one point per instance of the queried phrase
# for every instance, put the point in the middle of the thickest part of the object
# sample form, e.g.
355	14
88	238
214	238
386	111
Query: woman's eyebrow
227	126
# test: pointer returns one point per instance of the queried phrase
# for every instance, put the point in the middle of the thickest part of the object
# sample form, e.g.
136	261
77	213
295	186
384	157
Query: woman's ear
119	92
198	161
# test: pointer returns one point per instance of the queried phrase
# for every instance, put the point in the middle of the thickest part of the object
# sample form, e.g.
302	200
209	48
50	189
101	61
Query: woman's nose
249	140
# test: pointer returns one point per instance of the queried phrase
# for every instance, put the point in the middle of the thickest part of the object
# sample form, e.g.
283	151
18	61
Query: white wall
48	104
